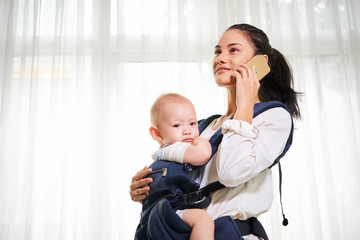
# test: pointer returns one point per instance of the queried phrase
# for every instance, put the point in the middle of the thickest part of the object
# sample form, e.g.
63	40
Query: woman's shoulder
276	116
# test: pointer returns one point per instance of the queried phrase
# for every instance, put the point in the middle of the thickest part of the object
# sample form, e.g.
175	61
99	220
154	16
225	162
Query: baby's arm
198	153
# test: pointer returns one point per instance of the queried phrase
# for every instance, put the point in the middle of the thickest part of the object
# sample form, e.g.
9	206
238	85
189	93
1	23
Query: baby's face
178	123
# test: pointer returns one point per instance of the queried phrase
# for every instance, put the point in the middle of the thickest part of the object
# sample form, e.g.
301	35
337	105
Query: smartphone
261	66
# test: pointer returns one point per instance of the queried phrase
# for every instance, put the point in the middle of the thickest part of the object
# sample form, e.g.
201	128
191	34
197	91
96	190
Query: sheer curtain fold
78	79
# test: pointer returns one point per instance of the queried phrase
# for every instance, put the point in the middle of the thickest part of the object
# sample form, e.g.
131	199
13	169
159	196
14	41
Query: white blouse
241	164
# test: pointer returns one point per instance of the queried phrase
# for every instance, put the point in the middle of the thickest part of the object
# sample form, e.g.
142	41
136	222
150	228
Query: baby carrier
172	189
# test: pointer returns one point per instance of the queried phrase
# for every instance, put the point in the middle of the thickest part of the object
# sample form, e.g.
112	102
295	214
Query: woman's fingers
254	73
245	71
138	187
139	194
141	174
246	75
247	84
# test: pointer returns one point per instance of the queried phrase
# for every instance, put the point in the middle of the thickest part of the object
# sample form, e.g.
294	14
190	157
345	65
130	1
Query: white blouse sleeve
248	149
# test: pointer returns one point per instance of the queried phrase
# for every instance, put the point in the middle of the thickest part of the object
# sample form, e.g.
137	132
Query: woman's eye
234	50
217	52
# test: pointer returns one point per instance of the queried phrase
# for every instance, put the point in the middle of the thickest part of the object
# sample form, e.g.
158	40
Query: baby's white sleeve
174	152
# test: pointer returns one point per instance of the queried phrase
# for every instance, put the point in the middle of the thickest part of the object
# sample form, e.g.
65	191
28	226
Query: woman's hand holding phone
247	86
247	78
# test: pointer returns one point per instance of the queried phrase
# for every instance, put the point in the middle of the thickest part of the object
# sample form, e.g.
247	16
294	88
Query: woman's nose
220	58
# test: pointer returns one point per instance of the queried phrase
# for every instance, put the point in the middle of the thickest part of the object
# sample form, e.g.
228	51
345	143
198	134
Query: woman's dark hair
278	84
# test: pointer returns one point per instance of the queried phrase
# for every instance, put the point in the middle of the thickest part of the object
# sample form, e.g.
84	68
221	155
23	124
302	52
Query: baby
175	128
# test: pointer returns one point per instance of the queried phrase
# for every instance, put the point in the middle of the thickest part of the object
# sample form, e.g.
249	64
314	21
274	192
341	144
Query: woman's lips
222	69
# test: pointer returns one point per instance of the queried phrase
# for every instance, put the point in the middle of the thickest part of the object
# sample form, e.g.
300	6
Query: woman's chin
225	79
225	82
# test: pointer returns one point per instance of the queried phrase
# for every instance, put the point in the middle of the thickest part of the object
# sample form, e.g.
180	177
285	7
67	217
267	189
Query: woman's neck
231	110
231	103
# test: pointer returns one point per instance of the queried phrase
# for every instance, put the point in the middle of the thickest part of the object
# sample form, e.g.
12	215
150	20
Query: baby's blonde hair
164	99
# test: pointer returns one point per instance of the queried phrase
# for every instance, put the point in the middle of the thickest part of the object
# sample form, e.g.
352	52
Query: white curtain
77	79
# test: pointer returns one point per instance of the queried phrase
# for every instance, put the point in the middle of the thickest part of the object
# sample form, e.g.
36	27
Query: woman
249	146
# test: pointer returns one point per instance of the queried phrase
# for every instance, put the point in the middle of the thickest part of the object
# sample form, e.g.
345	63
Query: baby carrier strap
216	138
262	107
258	109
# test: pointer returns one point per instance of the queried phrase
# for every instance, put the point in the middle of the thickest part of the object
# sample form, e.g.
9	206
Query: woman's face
233	49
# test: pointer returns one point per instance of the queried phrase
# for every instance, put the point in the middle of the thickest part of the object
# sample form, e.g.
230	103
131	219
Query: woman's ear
155	134
266	57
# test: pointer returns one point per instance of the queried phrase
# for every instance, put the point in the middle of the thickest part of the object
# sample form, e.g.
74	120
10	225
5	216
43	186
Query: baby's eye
193	123
176	125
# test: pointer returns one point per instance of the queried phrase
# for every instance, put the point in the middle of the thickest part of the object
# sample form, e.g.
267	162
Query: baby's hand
199	152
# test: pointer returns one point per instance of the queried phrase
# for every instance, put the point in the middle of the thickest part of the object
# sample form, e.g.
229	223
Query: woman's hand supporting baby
139	185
